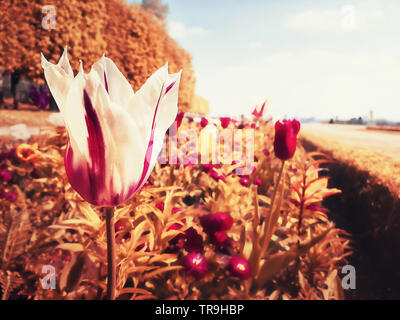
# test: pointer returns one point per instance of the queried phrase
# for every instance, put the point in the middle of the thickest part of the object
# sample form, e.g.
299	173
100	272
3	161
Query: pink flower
5	175
114	134
225	121
195	264
244	181
239	267
286	138
219	221
203	122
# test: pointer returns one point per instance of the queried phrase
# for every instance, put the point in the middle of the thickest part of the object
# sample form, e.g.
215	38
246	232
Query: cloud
178	30
345	18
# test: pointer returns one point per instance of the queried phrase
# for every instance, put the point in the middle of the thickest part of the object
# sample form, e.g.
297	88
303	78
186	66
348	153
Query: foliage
130	35
280	227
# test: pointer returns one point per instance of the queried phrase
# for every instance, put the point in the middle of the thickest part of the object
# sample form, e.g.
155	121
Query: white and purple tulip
114	134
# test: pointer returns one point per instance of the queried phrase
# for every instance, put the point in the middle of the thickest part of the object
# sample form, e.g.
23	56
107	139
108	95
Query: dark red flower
225	121
40	96
208	167
221	240
175	210
216	176
141	246
160	206
8	154
194	241
203	122
244	181
314	207
179	118
195	264
239	267
175	226
8	195
214	222
258	182
191	241
5	175
121	226
286	138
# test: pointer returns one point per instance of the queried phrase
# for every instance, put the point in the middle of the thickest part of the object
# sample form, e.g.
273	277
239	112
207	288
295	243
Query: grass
384	170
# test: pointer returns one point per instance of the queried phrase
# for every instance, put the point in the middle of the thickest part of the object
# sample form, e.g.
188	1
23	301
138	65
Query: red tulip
239	267
203	122
259	113
225	121
286	138
114	134
195	264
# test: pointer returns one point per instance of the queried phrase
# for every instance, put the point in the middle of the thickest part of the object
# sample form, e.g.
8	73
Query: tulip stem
111	267
277	184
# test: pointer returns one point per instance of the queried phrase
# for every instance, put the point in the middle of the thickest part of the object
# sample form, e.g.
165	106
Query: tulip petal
164	115
114	82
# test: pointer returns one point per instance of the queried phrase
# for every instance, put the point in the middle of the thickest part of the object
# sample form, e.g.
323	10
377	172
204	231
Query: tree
130	35
157	7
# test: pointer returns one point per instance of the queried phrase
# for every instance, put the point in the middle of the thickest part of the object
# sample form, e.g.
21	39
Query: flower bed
195	231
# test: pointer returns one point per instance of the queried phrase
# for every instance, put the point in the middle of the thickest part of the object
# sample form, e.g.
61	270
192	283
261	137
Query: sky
322	59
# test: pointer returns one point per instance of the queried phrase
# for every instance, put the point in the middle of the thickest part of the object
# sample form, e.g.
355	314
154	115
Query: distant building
371	122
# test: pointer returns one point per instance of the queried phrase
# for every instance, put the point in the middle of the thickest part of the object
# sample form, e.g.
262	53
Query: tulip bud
203	122
286	138
195	264
239	267
225	121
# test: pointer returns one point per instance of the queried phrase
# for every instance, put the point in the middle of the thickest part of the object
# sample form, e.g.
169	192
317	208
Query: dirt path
384	143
